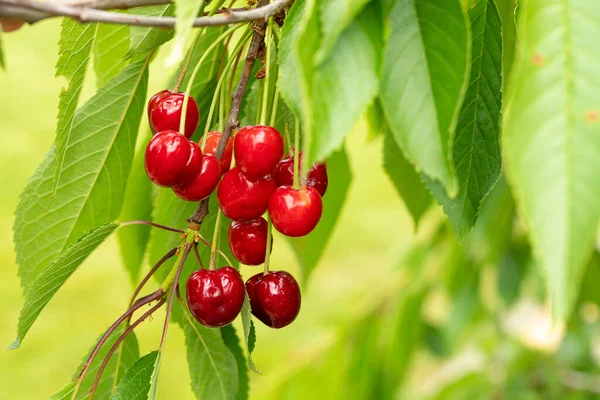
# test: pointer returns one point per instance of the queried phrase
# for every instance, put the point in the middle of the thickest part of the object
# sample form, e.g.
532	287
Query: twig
198	256
34	11
164	227
236	102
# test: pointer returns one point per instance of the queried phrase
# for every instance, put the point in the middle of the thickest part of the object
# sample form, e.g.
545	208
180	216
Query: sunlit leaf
110	47
232	342
135	385
145	39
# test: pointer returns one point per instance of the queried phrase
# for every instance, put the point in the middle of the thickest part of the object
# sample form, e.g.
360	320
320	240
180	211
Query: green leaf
74	49
507	10
375	119
145	39
2	61
476	148
137	205
551	140
248	328
336	15
110	47
135	385
407	182
232	342
115	369
346	83
213	368
425	65
94	172
309	248
153	389
185	12
52	278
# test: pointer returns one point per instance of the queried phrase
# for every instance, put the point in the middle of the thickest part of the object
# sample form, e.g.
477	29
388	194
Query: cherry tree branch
33	11
236	103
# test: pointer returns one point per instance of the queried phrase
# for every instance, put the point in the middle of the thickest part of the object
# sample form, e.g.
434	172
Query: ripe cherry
205	183
248	241
257	150
215	298
210	147
171	159
275	298
165	113
294	212
317	175
242	198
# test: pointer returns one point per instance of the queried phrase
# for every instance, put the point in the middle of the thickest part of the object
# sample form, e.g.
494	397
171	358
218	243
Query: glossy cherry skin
257	150
317	175
242	198
166	113
205	183
293	212
215	298
275	298
154	100
210	147
171	159
248	241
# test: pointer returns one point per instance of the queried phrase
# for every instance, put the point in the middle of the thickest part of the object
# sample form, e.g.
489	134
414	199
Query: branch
33	11
236	103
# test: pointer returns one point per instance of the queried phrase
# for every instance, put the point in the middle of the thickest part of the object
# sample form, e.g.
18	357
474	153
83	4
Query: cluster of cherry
260	181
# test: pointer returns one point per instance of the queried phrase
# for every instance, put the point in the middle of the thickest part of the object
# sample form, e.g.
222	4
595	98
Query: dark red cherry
171	159
166	113
205	183
154	100
248	241
275	298
242	198
210	147
215	298
293	212
257	150
317	175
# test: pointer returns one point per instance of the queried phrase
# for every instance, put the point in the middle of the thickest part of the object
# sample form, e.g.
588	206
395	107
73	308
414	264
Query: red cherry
275	298
257	150
294	212
205	183
242	198
248	241
171	159
210	147
165	113
154	100
317	175
215	298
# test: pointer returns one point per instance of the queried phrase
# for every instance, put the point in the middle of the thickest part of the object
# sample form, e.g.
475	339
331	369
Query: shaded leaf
425	65
135	385
110	47
93	175
507	10
476	148
309	248
232	342
185	12
144	39
248	329
405	179
551	140
47	283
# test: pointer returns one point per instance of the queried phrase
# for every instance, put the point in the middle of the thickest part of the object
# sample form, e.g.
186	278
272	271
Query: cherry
210	147
257	150
317	175
165	112
205	183
275	298
215	297
242	198
171	159
248	241
294	212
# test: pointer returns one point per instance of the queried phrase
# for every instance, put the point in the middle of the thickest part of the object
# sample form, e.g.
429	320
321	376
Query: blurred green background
389	313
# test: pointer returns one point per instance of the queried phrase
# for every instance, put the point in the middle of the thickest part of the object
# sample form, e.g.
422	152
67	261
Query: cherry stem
119	341
269	241
265	100
236	64
213	249
207	243
188	58
213	103
198	258
142	222
197	68
296	184
155	268
274	108
288	138
139	303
